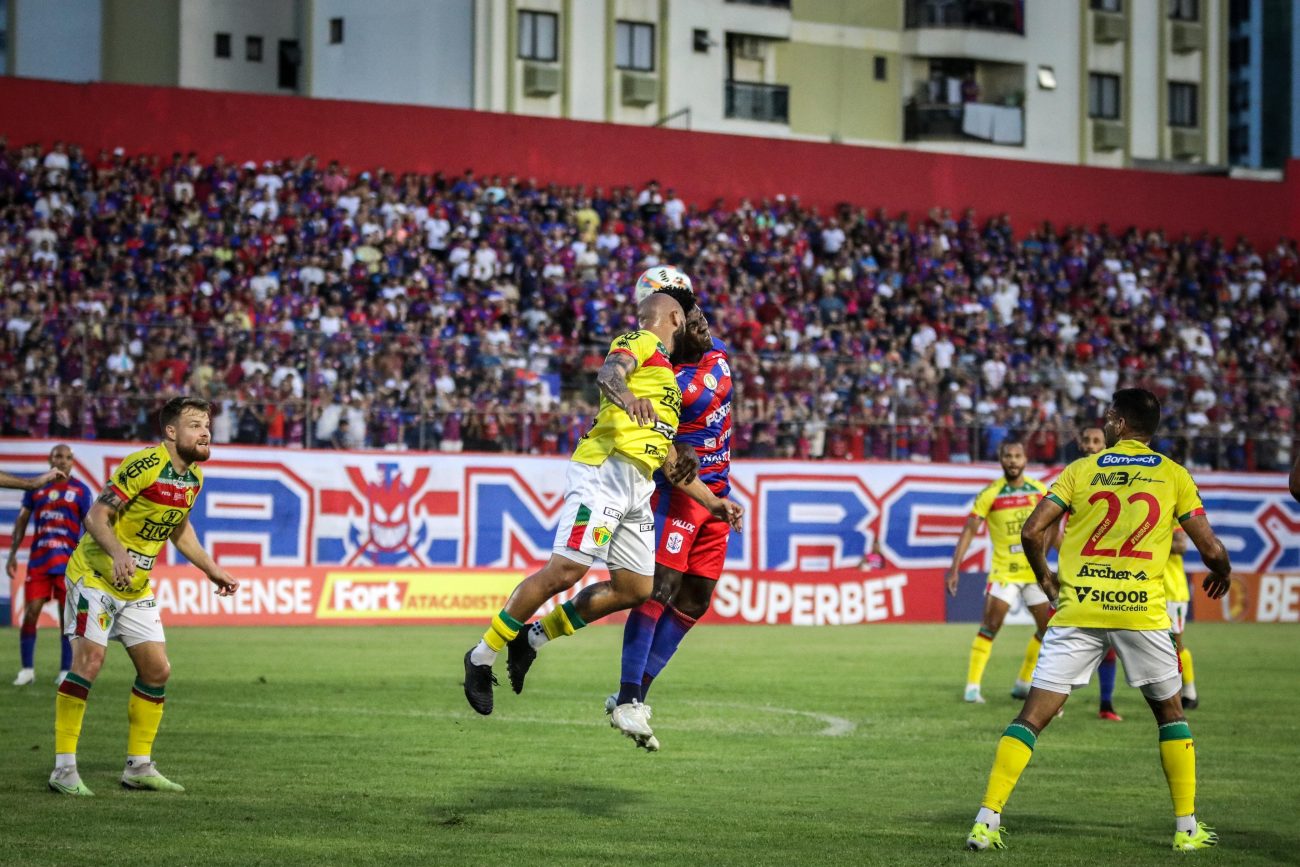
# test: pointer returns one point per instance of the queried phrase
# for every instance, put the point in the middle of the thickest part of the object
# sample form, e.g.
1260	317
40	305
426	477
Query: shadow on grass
536	796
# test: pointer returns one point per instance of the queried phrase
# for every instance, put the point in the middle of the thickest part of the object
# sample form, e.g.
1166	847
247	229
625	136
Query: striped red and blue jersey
57	513
705	421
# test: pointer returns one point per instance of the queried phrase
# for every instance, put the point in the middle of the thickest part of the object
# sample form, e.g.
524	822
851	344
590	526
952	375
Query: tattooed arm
612	380
99	524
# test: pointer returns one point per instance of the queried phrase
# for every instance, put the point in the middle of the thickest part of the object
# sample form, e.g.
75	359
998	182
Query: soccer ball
660	278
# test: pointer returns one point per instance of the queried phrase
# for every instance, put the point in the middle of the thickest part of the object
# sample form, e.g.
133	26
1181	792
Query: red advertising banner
1255	597
313	595
838	597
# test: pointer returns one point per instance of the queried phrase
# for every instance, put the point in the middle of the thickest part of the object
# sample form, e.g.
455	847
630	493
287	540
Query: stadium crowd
317	305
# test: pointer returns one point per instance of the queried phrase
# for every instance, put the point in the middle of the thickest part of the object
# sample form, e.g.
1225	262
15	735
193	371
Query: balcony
769	103
971	121
1001	16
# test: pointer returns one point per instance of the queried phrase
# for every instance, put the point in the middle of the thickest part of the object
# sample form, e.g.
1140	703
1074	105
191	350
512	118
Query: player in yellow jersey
145	503
606	514
1177	598
1109	590
1003	505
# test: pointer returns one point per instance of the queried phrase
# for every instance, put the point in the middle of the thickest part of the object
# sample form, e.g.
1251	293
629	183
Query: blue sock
27	646
673	627
1106	679
65	655
638	635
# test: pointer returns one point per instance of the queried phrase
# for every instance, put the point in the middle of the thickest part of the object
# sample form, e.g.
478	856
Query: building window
336	31
1182	104
881	68
290	57
537	35
253	49
223	45
1116	6
1239	96
700	40
1185	10
634	46
1103	96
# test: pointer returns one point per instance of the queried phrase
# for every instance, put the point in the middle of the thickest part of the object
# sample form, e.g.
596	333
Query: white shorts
1177	616
1010	593
1070	655
607	516
100	617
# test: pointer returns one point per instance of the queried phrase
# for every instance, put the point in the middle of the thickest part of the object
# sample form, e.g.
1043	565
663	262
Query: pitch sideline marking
836	726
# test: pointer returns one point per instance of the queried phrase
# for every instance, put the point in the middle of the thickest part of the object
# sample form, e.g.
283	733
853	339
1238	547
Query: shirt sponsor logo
1118	597
648	527
142	561
611	512
1129	460
1121	478
1101	570
718	414
138	468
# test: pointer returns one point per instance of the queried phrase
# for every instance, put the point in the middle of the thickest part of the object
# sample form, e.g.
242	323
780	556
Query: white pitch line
835	726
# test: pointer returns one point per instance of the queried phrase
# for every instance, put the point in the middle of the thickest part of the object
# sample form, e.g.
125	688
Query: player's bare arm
1201	534
187	542
99	524
681	467
724	510
612	381
20	530
31	483
1034	536
959	553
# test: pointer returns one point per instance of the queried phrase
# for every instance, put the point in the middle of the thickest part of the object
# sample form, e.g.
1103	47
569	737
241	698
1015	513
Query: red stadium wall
700	165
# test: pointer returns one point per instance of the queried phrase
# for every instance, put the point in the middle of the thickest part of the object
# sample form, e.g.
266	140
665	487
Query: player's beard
195	454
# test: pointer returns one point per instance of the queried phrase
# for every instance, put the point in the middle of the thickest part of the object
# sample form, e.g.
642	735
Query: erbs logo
1129	460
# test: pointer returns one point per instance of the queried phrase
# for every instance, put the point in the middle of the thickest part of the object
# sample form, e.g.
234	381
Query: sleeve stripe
1058	501
1192	514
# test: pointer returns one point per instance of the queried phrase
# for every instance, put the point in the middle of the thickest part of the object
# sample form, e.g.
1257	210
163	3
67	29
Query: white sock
65	760
482	654
974	686
1022	684
136	761
1189	691
1186	824
537	635
988	817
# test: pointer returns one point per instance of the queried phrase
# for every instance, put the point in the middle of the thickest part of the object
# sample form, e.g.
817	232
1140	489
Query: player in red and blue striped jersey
58	509
691	545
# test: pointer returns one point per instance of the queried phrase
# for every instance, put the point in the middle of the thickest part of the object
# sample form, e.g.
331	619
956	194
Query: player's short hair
1139	408
173	408
1008	443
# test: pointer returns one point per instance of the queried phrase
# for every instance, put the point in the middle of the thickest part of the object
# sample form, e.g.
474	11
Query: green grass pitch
780	746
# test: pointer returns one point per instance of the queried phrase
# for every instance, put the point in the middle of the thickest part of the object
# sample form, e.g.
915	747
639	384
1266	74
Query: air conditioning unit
750	48
1185	143
638	90
1107	135
1108	28
541	80
1186	37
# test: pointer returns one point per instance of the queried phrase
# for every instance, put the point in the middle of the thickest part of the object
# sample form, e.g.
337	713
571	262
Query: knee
559	575
156	673
694	598
88	661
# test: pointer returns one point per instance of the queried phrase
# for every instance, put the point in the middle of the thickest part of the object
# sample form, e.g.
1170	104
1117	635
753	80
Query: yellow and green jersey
1123	504
158	499
1004	507
615	431
1176	589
